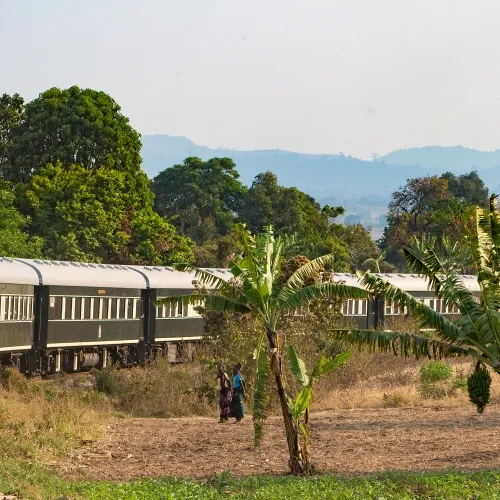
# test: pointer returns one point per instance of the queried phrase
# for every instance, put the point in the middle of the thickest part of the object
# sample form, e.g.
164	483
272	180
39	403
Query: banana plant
476	332
257	289
300	406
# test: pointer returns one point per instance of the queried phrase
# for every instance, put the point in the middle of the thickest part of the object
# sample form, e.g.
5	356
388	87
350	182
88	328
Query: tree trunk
297	462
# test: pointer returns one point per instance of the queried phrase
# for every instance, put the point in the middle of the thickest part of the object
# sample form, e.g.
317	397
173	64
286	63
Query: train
60	316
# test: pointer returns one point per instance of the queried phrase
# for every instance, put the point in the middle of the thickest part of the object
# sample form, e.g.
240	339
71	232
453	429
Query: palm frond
205	277
291	299
297	279
403	344
261	394
449	331
211	302
495	227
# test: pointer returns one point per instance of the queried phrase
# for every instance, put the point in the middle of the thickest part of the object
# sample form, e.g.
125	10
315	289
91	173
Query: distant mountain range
363	187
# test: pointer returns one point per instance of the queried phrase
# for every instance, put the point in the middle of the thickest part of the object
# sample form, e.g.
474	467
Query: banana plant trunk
297	462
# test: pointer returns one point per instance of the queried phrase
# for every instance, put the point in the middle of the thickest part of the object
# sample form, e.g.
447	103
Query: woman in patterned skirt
225	394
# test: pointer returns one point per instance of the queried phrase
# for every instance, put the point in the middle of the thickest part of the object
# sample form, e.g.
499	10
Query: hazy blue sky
357	76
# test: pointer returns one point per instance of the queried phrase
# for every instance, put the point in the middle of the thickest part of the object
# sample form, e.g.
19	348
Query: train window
180	308
363	307
121	308
15	309
387	307
127	305
135	310
92	308
103	308
109	308
98	309
112	309
73	303
77	301
86	308
431	303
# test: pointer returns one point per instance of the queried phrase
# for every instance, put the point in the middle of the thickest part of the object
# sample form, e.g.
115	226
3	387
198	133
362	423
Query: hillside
362	187
456	158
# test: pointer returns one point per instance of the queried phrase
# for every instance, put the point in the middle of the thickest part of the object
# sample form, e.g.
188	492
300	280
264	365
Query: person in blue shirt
239	394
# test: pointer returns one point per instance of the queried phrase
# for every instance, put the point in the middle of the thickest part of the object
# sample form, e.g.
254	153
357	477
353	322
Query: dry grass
161	390
40	420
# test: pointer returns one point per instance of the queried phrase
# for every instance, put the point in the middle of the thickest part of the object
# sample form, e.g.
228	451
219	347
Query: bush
435	371
105	381
435	379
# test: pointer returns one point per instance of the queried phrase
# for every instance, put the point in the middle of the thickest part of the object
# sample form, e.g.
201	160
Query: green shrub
435	371
435	377
105	381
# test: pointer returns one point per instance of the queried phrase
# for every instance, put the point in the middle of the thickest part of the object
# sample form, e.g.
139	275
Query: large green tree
14	240
467	188
258	290
98	215
202	198
11	114
74	126
293	212
431	206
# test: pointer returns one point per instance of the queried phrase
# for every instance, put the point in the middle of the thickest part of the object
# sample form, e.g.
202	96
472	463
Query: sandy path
347	441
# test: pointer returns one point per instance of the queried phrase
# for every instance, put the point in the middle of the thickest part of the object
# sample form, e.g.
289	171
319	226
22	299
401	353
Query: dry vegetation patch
344	441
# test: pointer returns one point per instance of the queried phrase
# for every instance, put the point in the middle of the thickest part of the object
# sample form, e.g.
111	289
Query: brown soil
344	441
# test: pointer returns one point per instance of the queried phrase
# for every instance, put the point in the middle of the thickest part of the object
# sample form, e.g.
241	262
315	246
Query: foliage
33	481
476	332
105	382
11	114
300	406
359	242
202	198
98	216
261	389
291	211
432	206
467	188
257	289
73	126
14	241
435	379
435	371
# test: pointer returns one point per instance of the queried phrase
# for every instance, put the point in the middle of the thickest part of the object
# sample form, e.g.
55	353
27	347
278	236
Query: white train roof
50	272
55	272
407	282
15	272
168	278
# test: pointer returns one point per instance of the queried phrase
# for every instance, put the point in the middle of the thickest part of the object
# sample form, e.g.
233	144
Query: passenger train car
67	316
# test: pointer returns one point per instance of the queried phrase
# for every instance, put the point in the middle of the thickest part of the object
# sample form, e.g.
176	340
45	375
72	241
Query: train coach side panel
87	316
16	317
177	321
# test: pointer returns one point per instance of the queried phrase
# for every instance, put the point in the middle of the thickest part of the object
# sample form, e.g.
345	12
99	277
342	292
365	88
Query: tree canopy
14	240
74	126
202	198
98	216
11	114
433	206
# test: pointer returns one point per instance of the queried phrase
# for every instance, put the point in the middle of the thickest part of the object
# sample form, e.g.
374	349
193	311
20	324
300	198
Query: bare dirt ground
344	441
